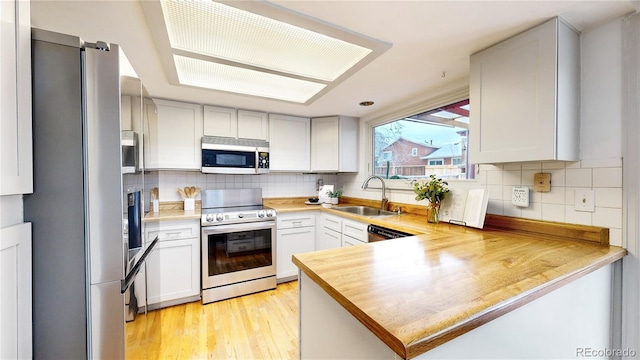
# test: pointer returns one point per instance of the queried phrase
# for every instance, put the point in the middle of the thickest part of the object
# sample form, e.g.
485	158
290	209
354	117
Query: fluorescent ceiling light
224	32
216	76
255	48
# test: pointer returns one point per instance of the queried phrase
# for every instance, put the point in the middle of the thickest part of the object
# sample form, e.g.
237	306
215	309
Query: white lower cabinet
354	233
330	239
339	232
15	298
173	268
296	234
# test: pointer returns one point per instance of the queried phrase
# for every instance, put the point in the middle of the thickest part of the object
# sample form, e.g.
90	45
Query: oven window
239	251
231	159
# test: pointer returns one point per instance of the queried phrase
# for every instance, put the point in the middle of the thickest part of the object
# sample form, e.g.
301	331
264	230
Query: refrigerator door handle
126	282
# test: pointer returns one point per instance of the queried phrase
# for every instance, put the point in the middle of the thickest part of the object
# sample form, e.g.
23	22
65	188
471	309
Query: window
440	137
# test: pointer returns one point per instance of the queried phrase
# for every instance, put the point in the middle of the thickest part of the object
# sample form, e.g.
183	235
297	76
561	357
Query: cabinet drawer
297	220
174	231
354	229
332	222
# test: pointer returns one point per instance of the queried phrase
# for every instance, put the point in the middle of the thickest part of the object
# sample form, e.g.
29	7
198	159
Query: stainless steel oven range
238	244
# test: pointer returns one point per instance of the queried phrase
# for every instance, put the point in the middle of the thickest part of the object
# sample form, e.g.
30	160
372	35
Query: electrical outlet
584	200
520	196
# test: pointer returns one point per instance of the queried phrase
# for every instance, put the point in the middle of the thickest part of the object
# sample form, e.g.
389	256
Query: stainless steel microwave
222	155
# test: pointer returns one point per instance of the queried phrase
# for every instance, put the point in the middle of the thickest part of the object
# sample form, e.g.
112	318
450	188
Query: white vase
334	201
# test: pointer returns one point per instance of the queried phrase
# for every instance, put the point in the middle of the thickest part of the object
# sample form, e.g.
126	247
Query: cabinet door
513	92
289	143
253	125
173	270
175	135
290	242
330	239
15	297
355	230
324	144
349	241
220	121
16	163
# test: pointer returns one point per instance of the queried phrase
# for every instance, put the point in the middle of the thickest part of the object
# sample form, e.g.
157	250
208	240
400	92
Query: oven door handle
217	229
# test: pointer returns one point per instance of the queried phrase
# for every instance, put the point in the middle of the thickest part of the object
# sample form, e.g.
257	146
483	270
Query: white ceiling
428	37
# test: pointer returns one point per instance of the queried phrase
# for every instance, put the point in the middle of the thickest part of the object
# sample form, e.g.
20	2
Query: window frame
437	100
441	162
414	152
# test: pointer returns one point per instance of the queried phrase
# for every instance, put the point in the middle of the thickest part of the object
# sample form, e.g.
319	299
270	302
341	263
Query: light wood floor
256	326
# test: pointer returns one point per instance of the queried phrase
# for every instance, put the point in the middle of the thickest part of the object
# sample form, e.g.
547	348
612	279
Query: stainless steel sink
365	211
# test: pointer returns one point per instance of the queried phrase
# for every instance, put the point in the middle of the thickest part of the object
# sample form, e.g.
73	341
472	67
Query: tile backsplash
604	177
273	184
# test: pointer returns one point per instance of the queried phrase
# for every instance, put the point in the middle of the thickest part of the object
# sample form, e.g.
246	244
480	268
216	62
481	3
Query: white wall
601	151
273	184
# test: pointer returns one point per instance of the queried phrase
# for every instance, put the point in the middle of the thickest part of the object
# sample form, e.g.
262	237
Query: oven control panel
238	217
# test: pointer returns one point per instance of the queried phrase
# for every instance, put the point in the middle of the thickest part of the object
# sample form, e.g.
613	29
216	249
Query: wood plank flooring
256	326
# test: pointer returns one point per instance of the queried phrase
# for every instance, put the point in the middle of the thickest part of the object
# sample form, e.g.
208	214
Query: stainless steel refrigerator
81	264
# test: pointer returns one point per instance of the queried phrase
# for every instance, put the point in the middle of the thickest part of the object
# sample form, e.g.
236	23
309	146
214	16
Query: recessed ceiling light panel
228	78
221	31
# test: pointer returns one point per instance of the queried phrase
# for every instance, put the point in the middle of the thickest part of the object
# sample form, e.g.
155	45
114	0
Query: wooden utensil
182	193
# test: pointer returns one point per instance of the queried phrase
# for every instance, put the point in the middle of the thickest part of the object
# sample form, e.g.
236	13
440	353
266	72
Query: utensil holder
189	204
156	206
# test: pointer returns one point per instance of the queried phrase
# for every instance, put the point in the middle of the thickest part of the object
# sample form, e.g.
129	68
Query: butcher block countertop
419	292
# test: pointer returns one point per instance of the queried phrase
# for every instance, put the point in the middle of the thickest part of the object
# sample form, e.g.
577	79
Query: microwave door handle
257	161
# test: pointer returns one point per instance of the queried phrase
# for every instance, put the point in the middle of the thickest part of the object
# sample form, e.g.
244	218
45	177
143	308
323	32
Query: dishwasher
377	233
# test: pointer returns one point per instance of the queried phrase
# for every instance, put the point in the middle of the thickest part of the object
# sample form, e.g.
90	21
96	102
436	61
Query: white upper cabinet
524	97
289	146
334	144
16	163
244	124
219	121
173	135
253	125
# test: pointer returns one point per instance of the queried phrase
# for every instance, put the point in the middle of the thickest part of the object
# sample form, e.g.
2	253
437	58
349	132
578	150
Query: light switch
584	200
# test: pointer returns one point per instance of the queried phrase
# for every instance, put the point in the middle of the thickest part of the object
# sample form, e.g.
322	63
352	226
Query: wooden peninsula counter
456	292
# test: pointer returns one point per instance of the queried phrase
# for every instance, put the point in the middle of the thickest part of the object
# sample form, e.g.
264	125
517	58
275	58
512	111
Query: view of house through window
432	142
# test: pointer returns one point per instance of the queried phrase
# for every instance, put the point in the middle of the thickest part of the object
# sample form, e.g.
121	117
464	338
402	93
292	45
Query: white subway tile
607	177
495	207
608	197
533	211
615	237
608	217
494	178
578	178
551	165
512	177
601	163
532	166
512	166
576	217
555	196
527	177
510	210
495	192
558	177
553	212
573	165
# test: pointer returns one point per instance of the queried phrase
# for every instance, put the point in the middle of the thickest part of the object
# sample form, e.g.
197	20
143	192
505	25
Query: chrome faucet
365	184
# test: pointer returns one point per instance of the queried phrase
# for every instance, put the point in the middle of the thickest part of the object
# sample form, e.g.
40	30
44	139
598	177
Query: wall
273	184
601	153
